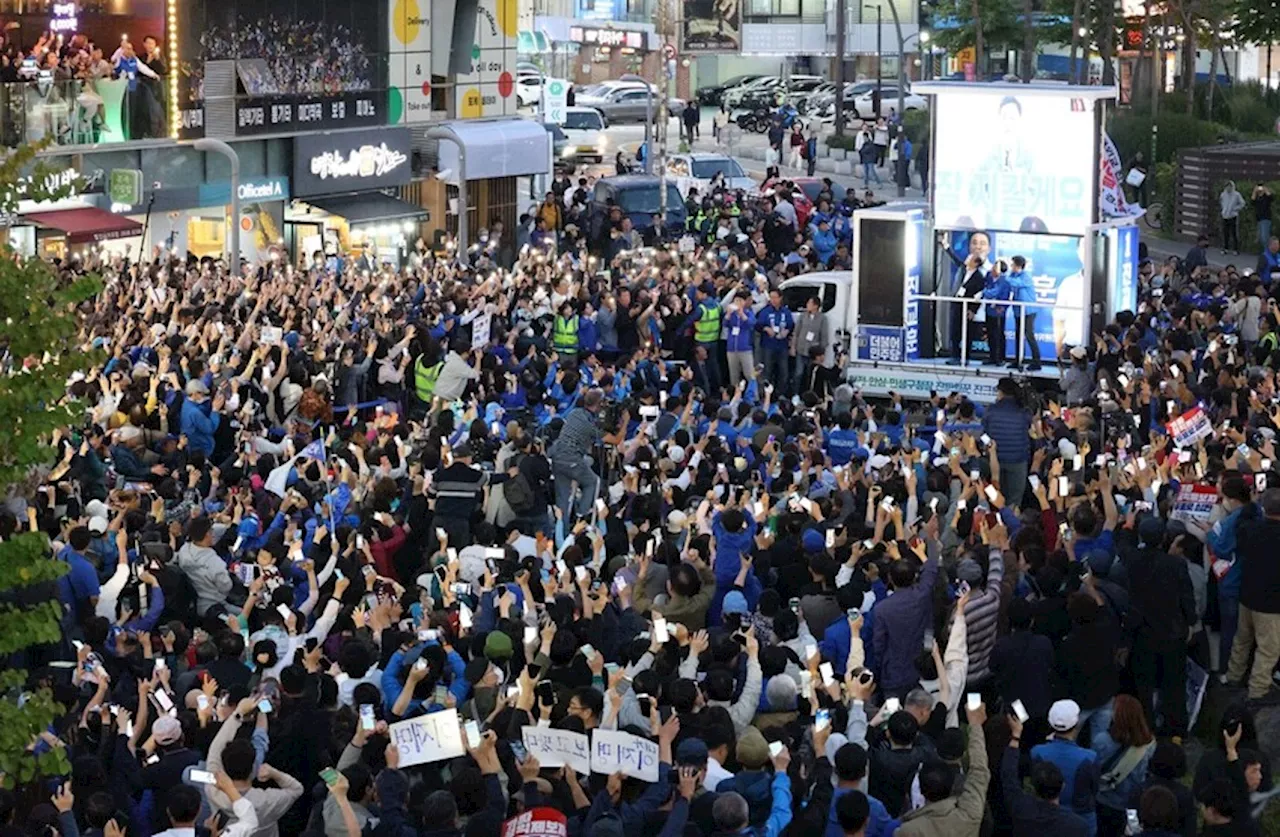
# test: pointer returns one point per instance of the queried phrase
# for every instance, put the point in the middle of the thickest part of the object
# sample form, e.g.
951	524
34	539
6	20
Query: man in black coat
1162	609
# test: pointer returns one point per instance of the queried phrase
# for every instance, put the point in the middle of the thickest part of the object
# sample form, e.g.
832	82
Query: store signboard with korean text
351	161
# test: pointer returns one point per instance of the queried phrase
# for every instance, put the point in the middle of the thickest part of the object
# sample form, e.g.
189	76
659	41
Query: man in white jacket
203	567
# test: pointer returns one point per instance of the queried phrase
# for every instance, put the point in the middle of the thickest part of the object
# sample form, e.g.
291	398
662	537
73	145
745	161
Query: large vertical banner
1124	271
409	61
489	89
913	256
1056	266
712	26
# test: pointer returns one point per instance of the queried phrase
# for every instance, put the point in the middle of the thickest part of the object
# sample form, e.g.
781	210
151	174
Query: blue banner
881	343
914	255
1123	288
1055	264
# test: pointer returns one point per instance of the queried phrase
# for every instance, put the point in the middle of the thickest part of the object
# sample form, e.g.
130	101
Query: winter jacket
1010	426
901	621
955	816
207	573
982	616
198	425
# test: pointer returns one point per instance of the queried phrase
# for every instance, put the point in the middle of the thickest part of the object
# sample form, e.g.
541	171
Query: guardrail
964	321
78	112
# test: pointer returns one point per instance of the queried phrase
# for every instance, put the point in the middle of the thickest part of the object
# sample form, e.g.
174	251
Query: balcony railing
75	112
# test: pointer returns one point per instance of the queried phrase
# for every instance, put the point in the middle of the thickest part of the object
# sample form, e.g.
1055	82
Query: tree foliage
38	345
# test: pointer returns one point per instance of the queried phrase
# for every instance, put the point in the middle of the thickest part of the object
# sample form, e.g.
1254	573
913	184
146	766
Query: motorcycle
756	121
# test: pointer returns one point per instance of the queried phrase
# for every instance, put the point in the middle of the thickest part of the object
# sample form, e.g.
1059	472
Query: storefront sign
124	186
304	113
287	114
250	191
351	162
607	37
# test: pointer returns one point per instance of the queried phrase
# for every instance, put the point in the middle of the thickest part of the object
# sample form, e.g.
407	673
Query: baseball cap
813	541
166	730
1064	715
1078	352
677	521
197	387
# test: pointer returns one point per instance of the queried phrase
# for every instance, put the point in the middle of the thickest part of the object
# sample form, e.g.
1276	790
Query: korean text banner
1055	266
1021	163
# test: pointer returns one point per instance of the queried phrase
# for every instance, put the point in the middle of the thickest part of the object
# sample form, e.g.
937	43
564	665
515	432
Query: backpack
519	494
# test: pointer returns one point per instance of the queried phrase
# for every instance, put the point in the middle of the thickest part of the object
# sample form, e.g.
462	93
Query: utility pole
842	12
661	132
879	59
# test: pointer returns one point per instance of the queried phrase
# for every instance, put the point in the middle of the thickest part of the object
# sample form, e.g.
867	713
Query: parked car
864	104
826	107
586	138
639	196
559	141
626	102
695	171
528	89
713	94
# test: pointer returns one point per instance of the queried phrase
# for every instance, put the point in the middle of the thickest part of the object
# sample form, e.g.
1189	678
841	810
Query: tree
1028	41
38	342
982	24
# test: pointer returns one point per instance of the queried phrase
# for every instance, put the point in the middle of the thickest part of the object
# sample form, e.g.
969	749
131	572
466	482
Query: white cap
676	521
1064	715
676	454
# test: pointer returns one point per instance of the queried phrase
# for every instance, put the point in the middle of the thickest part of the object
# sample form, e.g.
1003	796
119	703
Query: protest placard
428	738
1194	503
1190	427
613	751
271	335
480	328
543	822
558	747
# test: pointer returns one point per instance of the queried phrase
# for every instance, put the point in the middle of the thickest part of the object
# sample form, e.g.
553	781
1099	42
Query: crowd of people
302	56
568	485
61	58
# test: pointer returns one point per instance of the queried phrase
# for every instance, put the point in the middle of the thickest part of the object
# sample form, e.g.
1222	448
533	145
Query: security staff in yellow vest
426	371
564	335
705	322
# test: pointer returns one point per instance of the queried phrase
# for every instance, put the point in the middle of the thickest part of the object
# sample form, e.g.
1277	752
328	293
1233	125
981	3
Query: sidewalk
750	149
1162	248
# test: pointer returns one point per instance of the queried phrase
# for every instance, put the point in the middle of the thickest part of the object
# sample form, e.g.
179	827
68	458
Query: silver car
627	102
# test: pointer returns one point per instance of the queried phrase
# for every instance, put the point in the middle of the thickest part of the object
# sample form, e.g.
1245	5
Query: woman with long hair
1123	749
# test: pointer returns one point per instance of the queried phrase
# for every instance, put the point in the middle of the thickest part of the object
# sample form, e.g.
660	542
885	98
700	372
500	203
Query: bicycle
1154	216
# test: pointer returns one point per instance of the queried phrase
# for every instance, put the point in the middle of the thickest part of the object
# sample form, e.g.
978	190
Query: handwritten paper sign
480	328
558	747
272	335
1190	427
428	738
613	751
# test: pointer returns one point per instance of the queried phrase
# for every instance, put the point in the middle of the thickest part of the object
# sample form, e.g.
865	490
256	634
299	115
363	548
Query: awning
497	148
86	224
369	207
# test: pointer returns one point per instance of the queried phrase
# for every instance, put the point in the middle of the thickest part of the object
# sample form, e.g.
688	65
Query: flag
1111	199
315	450
278	479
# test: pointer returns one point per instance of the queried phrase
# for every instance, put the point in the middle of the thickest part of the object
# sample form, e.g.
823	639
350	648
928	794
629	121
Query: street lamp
879	53
205	145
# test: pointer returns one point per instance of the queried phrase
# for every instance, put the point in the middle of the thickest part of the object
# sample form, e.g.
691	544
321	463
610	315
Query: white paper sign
272	335
428	738
558	747
613	751
480	327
